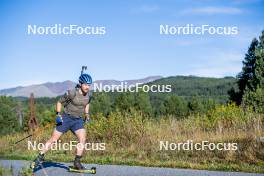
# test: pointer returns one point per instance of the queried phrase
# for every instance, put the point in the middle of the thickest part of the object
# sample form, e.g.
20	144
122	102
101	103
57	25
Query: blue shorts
70	123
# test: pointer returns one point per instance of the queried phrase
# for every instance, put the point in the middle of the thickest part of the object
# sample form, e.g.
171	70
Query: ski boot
37	161
78	167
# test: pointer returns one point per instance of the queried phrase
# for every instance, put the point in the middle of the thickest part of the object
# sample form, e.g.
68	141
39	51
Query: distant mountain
50	89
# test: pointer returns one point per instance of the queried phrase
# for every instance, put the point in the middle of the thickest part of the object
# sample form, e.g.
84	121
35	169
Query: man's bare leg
40	158
54	137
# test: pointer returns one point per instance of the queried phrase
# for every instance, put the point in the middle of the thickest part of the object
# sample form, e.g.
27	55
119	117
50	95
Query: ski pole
23	139
36	132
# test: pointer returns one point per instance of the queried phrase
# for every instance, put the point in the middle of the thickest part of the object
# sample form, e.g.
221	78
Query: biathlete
76	104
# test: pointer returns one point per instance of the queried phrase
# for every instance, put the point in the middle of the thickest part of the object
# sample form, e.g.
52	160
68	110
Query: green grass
5	171
25	171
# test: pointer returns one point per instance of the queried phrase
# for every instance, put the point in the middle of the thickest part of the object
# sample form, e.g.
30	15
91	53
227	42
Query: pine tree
260	62
254	92
174	105
142	103
124	102
101	104
248	72
195	105
8	119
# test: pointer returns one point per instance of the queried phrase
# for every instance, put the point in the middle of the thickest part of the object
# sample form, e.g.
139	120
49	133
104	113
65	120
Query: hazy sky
132	46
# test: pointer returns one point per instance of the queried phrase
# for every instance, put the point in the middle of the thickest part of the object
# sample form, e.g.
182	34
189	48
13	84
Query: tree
247	74
259	81
174	105
8	119
142	103
209	104
101	104
195	105
254	93
124	102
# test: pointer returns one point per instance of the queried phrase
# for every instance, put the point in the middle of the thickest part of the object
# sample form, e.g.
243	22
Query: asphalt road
61	169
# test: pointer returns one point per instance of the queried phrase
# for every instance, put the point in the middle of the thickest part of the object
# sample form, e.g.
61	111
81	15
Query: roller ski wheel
86	171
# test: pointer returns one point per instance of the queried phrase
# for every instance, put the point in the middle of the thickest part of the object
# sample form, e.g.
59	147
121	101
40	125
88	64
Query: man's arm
86	110
58	107
87	115
58	117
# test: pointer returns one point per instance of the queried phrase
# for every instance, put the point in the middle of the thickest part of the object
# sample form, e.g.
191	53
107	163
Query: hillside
189	86
50	89
183	86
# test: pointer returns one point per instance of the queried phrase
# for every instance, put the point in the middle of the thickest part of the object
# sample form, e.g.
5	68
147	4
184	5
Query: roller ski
39	160
78	167
84	170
